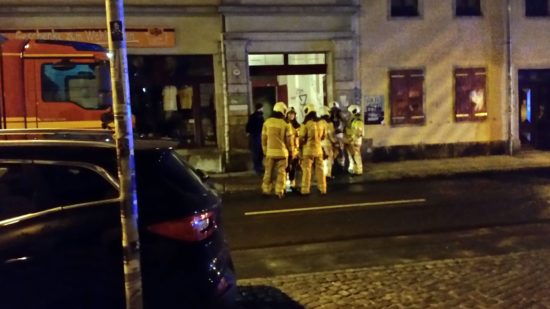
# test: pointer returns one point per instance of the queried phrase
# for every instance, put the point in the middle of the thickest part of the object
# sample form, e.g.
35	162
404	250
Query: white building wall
436	42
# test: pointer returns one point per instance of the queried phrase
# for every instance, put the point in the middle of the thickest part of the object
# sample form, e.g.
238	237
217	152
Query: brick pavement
514	280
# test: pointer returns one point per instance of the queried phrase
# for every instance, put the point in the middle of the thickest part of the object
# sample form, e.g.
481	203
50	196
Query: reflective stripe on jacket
275	138
311	135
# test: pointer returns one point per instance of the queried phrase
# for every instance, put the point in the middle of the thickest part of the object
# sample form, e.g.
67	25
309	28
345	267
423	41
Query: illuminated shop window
266	59
298	59
470	94
407	97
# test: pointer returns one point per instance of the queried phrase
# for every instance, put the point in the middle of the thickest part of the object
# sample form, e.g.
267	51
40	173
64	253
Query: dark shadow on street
264	297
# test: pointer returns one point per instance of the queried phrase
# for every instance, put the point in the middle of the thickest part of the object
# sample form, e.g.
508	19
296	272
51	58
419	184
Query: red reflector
194	228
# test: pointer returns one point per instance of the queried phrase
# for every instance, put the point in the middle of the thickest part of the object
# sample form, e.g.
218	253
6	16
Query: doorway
534	108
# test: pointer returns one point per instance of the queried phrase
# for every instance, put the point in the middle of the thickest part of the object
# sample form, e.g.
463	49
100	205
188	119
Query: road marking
382	203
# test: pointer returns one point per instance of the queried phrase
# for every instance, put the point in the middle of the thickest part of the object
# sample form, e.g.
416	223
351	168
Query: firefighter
312	132
354	137
275	144
338	124
293	158
329	142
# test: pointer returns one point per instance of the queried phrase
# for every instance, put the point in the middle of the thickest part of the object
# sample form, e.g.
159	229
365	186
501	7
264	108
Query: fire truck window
77	83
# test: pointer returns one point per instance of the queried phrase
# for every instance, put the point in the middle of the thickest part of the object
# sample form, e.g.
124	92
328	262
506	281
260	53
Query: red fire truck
53	84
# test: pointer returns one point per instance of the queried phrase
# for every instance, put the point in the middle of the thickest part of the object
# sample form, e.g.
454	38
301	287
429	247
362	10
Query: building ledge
289	9
130	10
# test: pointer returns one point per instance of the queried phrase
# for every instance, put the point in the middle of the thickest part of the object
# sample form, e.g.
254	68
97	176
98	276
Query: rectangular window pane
407	97
295	59
536	8
266	59
470	101
468	8
404	8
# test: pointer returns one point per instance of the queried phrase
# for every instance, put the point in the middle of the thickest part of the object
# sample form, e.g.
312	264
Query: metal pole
509	79
125	153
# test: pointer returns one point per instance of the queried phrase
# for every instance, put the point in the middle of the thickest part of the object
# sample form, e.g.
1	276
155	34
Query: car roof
90	146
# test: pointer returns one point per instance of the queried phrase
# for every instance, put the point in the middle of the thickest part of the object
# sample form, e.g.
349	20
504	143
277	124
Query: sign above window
135	37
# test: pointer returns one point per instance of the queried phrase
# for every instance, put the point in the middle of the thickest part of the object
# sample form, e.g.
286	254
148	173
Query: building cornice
129	10
289	9
288	36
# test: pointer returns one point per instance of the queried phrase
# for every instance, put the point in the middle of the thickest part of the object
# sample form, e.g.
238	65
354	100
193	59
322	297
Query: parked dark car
60	234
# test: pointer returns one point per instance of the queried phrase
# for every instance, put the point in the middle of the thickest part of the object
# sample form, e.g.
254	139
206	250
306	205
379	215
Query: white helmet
280	107
334	104
309	108
354	109
325	111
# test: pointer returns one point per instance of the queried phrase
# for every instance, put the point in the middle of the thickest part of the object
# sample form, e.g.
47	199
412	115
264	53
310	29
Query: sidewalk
526	160
514	280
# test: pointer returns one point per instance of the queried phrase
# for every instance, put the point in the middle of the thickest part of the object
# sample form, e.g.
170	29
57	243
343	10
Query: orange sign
135	37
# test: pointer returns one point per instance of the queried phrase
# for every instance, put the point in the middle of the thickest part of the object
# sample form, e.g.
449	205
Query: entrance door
534	107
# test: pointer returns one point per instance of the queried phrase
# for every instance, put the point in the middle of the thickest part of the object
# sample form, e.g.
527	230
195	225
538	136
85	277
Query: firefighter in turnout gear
276	142
354	138
312	132
328	143
338	125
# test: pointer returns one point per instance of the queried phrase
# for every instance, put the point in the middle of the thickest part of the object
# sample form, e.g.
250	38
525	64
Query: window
468	8
30	188
470	94
407	97
85	84
266	59
298	59
536	8
404	8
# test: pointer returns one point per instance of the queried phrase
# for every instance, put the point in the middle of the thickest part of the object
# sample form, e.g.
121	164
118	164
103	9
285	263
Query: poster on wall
373	109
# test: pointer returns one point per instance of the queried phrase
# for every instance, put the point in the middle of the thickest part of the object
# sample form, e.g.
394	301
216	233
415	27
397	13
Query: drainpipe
509	79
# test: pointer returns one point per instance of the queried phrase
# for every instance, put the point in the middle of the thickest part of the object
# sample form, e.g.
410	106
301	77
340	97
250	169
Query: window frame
472	116
455	9
412	119
419	11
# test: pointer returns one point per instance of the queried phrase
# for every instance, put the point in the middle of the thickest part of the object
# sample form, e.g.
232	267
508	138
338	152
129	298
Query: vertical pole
509	79
125	153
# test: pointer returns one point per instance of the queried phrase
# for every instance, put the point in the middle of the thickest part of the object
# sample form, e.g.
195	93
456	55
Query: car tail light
193	228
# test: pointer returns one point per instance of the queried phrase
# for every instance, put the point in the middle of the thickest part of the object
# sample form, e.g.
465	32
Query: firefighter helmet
280	107
308	109
334	104
354	109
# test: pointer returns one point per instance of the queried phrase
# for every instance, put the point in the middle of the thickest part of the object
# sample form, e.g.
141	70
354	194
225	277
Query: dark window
470	94
404	8
85	84
468	8
29	188
536	8
407	96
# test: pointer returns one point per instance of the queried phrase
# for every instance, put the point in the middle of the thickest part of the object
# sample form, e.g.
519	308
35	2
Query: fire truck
53	84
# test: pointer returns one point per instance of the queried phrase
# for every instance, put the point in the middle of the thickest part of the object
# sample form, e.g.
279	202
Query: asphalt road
388	222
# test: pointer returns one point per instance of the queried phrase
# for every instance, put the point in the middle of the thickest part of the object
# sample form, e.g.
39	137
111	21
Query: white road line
382	203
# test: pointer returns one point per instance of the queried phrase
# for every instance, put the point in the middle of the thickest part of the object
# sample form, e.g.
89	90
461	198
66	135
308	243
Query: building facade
435	78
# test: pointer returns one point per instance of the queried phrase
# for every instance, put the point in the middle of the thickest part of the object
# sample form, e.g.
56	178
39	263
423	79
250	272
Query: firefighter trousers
355	160
317	163
328	161
274	168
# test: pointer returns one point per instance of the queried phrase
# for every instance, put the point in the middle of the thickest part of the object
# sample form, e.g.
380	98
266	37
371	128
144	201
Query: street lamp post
125	153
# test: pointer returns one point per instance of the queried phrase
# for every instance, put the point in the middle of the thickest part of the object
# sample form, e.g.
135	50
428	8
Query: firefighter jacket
294	128
354	131
276	138
311	135
330	138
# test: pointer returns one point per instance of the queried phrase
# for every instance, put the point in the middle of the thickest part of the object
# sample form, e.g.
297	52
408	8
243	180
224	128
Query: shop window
470	98
266	59
407	97
174	96
299	59
536	8
404	8
468	8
